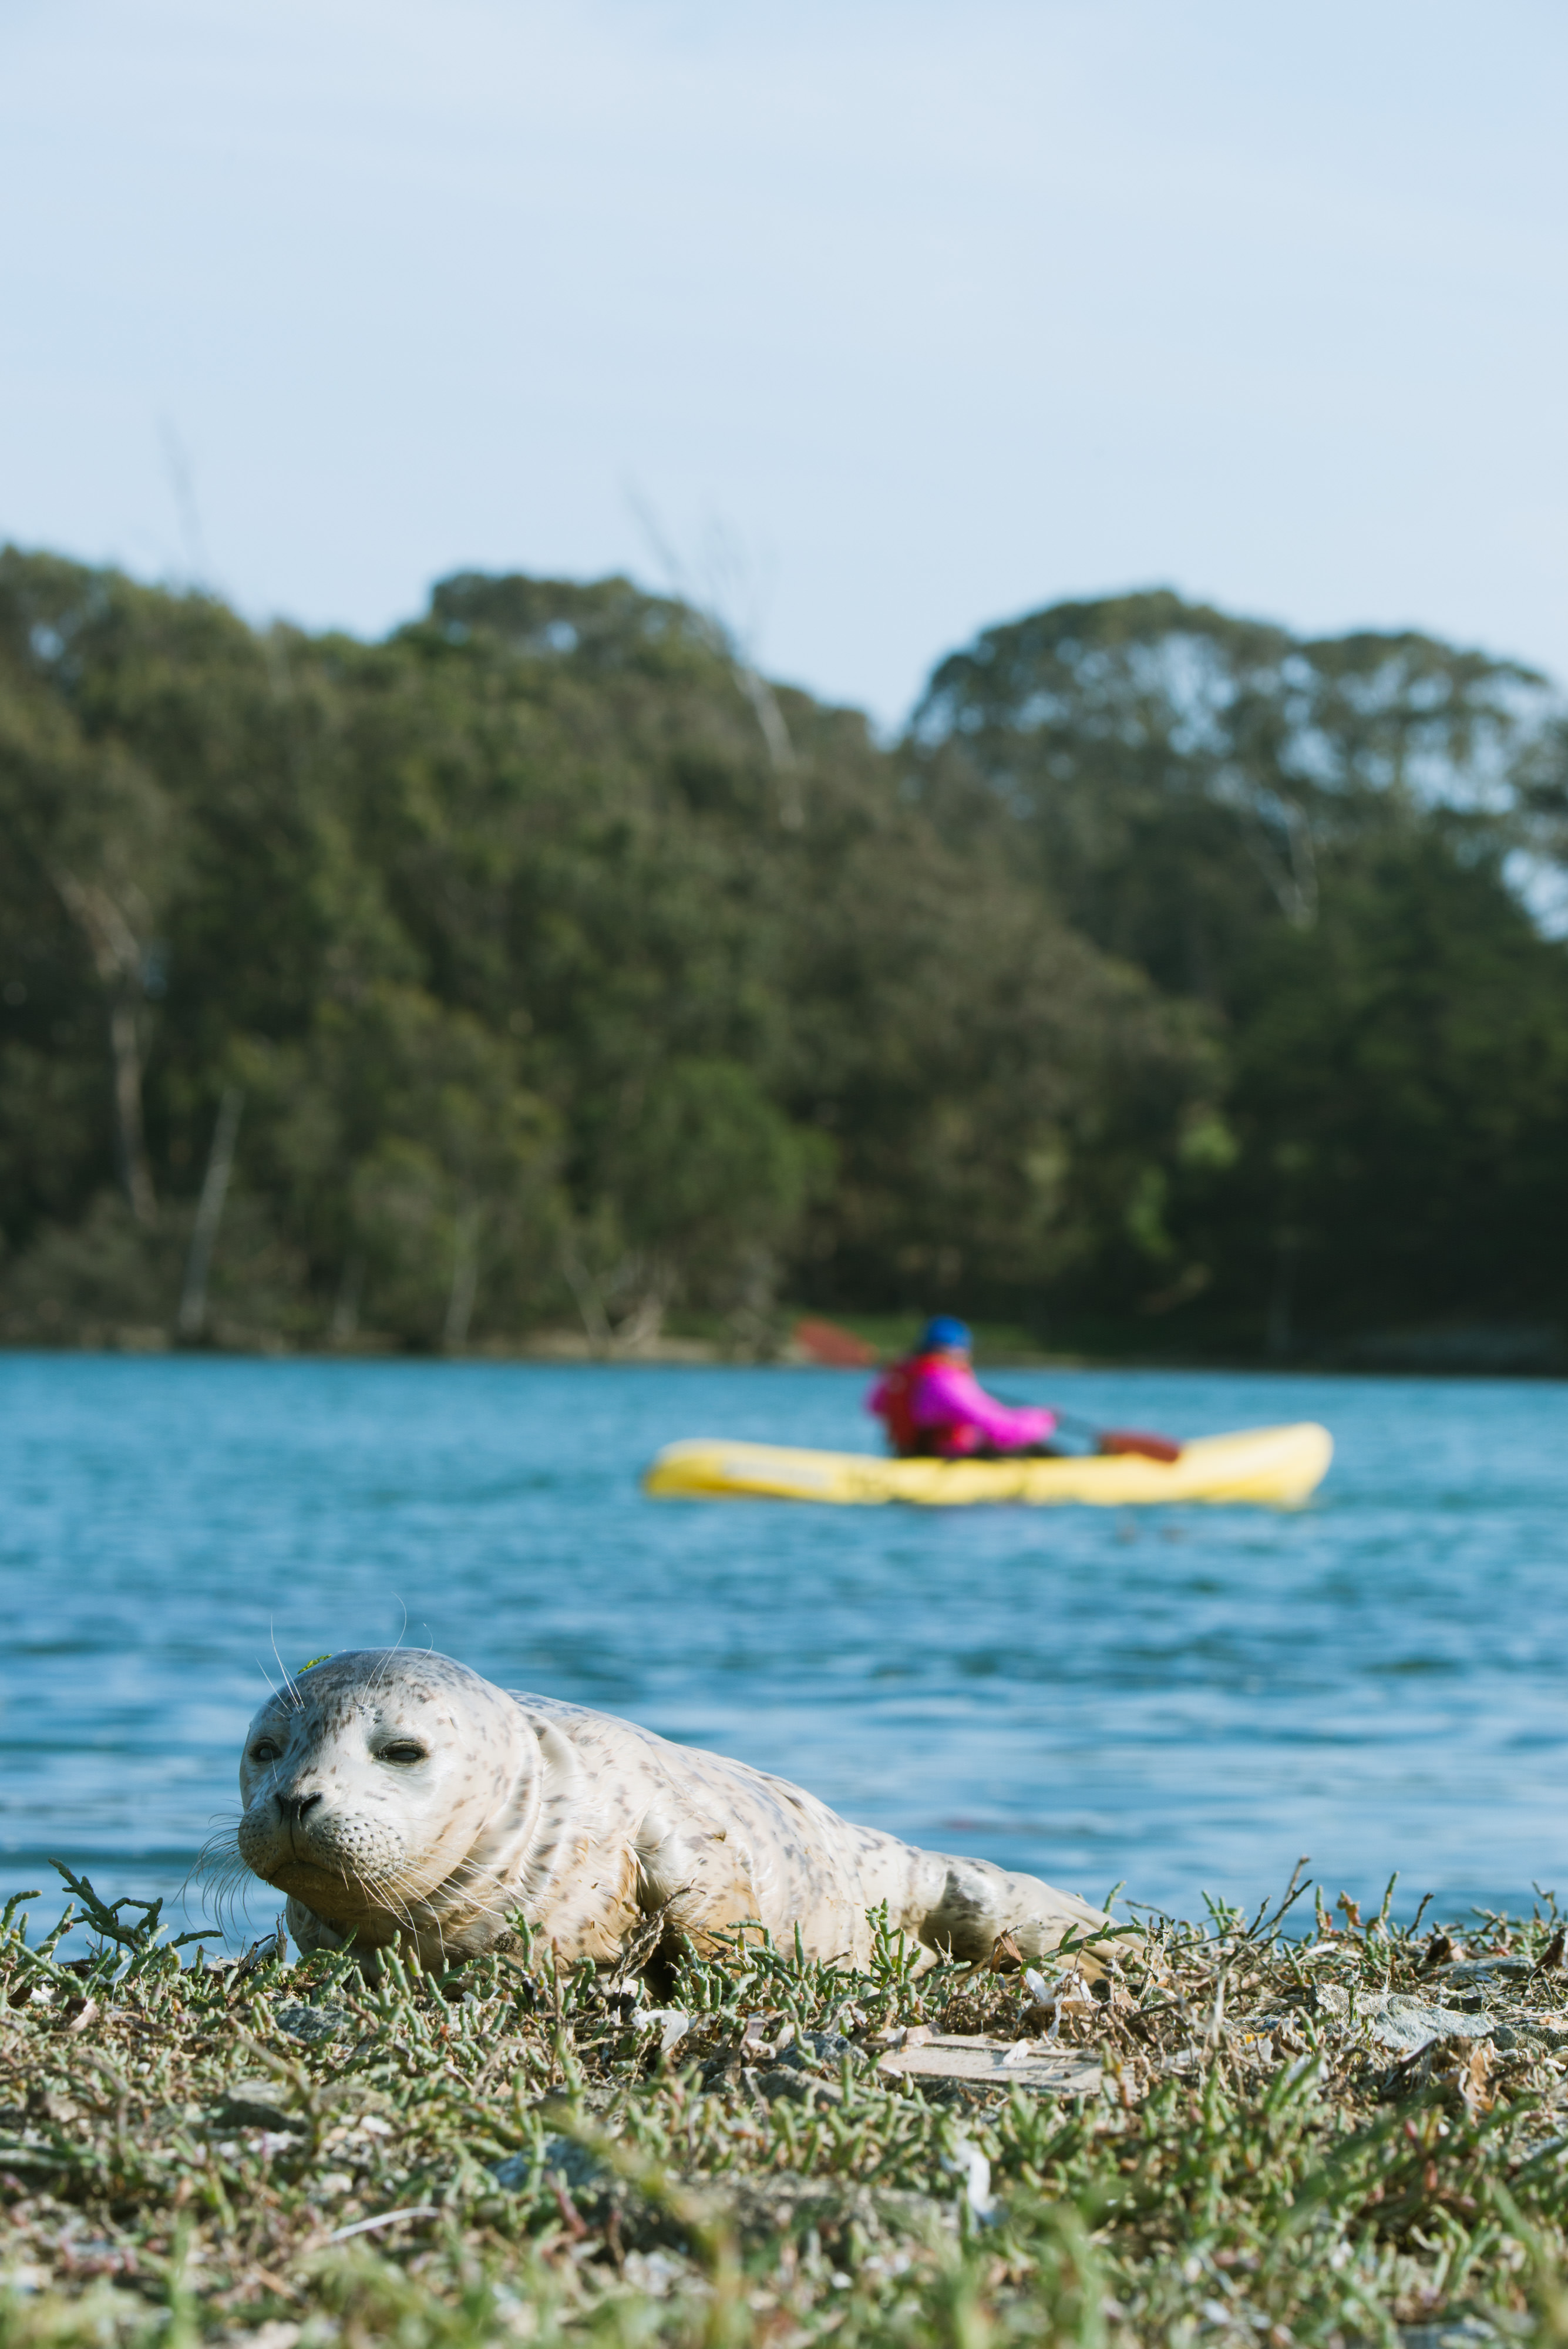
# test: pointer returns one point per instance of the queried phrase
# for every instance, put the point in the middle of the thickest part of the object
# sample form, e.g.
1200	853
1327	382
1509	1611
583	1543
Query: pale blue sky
940	312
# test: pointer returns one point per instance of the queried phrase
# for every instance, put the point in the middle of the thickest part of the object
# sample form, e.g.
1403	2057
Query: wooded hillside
1170	987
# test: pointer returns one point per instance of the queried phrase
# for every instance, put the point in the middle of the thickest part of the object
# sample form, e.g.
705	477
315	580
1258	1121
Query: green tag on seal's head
310	1667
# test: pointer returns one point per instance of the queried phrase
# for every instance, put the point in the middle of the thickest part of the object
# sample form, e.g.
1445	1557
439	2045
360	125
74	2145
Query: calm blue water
1187	1699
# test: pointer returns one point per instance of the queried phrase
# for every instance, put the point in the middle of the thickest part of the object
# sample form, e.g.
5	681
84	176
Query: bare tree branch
117	956
209	1213
724	635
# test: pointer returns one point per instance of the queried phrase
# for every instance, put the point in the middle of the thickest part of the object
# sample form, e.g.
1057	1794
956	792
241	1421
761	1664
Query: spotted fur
586	1825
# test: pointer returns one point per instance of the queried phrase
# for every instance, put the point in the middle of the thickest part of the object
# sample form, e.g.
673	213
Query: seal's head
379	1778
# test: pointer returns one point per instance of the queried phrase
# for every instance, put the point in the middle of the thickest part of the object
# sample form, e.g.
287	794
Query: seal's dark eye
263	1750
403	1749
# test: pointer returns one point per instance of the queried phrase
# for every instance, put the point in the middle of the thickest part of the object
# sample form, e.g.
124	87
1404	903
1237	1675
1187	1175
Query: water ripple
1187	1699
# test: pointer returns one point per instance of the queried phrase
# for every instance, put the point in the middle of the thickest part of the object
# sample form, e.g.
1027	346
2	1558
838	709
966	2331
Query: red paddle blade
1131	1439
838	1348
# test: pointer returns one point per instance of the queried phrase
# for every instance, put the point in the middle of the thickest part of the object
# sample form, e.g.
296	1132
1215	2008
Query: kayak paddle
1136	1439
1118	1439
1123	1439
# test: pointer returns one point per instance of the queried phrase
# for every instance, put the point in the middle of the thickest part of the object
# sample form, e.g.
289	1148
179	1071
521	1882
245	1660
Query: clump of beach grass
1326	2137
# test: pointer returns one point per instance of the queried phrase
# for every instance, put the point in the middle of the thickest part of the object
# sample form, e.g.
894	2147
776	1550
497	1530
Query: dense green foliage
1169	980
1325	845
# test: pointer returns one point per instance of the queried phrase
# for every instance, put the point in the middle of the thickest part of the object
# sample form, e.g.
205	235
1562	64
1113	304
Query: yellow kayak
1281	1467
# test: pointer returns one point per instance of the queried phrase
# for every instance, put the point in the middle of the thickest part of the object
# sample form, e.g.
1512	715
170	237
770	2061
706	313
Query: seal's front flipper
979	1906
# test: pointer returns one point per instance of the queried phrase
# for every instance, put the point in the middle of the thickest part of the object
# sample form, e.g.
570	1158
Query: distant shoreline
563	1349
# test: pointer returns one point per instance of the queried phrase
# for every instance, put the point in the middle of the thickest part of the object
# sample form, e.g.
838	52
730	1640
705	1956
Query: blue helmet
946	1330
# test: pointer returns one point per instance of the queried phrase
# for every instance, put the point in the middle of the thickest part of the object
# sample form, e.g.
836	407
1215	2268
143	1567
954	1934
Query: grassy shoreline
1352	2134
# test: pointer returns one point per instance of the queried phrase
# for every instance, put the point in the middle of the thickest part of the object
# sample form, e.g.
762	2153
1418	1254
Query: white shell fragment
1006	2062
672	2023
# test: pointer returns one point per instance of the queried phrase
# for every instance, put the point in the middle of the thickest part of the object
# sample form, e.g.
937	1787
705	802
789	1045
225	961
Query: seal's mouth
309	1879
324	1876
342	1896
290	1873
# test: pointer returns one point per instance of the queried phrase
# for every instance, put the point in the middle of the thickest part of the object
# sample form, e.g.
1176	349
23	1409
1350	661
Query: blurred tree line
1174	983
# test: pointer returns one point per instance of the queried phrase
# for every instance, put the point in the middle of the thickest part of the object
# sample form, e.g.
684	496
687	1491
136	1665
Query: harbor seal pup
400	1798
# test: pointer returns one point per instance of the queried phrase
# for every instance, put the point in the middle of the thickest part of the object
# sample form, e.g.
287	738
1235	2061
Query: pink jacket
949	1397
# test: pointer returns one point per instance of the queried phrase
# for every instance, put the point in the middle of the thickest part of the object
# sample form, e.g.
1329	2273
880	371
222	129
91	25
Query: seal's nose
293	1807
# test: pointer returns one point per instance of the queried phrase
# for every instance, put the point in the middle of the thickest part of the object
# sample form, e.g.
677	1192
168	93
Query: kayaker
934	1407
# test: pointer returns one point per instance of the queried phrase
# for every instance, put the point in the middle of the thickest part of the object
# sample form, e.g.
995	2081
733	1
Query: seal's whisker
405	1904
221	1826
475	1874
388	1655
375	1883
223	1878
220	1852
268	1678
295	1698
385	1891
387	1896
391	1890
439	1937
230	1898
